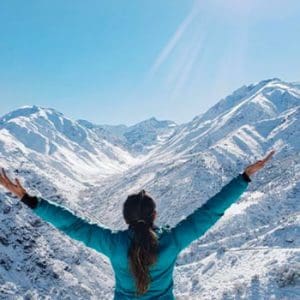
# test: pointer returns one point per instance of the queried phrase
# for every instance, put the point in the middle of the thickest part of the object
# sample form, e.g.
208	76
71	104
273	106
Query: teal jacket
114	244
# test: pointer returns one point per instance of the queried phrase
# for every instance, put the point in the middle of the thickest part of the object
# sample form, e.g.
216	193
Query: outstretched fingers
269	156
15	187
3	175
18	184
5	178
5	181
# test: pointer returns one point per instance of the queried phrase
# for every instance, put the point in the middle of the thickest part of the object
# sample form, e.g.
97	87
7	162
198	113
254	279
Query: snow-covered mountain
139	138
253	252
75	152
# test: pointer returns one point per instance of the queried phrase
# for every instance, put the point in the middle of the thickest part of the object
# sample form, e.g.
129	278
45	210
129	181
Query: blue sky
114	62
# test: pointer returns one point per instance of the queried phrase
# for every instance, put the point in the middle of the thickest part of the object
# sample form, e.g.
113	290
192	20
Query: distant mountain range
253	252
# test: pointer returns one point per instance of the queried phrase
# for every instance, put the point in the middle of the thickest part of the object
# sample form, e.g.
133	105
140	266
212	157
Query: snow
253	252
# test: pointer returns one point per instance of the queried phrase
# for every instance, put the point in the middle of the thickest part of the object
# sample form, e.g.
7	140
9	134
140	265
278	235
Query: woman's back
161	272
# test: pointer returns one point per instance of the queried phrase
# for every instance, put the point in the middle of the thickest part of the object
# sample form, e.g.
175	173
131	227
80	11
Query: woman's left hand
251	169
15	188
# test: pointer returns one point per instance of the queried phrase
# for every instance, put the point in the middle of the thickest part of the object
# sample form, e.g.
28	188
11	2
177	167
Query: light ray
172	43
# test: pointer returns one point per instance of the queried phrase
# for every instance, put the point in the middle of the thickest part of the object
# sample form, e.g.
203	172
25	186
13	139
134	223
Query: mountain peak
265	81
237	96
23	111
154	122
27	111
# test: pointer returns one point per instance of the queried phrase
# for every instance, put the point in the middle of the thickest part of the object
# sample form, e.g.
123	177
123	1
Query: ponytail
138	212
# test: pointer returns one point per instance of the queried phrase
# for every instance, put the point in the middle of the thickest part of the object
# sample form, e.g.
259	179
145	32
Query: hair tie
135	222
143	221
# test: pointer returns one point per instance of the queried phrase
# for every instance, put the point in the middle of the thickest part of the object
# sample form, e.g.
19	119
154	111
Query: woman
142	256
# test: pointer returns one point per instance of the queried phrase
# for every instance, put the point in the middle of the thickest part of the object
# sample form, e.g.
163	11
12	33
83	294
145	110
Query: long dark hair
138	211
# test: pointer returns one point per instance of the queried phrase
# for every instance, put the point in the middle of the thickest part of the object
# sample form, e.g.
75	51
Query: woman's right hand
15	188
251	169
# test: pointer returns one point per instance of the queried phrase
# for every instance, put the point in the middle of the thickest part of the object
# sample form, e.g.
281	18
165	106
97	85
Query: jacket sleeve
91	235
203	218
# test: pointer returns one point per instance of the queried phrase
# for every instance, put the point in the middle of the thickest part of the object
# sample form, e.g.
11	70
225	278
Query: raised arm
203	218
92	235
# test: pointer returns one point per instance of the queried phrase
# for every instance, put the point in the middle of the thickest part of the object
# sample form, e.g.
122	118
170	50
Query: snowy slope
44	141
253	252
